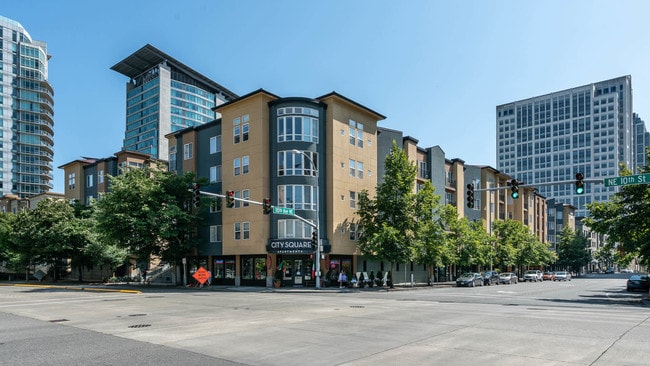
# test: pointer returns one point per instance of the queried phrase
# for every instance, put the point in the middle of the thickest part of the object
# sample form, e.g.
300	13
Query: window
216	234
100	177
294	229
245	164
353	199
298	197
187	151
246	194
242	230
238	203
356	133
215	144
241	165
356	168
240	129
237	166
297	124
355	232
215	174
89	180
72	177
215	205
290	163
172	158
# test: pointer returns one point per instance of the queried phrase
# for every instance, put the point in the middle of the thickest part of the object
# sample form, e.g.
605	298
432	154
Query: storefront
295	261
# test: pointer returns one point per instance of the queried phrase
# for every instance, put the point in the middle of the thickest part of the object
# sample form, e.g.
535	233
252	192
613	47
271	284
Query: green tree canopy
145	213
572	250
624	219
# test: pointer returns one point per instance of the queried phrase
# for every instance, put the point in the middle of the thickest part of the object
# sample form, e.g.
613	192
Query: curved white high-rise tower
27	104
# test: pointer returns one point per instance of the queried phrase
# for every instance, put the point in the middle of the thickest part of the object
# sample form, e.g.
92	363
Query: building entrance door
298	272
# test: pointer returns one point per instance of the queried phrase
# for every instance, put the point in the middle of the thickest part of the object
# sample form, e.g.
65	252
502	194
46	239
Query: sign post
628	180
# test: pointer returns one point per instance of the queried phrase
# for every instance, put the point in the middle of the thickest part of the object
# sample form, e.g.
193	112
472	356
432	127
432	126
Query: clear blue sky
436	69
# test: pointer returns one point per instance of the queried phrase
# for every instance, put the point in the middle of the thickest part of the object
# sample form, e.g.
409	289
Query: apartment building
310	155
87	178
26	113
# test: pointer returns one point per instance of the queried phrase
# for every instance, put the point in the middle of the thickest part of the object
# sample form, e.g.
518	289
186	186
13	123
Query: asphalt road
588	321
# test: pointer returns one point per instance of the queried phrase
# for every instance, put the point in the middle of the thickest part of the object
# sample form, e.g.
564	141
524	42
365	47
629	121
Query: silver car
562	276
508	277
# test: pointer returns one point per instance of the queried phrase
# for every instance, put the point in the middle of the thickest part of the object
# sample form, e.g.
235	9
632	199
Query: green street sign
284	210
628	180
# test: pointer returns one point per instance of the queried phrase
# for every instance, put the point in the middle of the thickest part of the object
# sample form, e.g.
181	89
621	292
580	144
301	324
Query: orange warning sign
201	275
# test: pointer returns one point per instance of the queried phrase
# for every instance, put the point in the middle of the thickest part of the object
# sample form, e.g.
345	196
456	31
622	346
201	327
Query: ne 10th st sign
284	210
628	180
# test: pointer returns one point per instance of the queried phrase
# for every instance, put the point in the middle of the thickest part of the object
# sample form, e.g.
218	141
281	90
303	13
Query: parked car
548	276
533	275
490	277
508	277
470	280
562	276
638	282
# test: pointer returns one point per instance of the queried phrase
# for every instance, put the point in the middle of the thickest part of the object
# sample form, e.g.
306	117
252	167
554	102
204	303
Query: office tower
163	96
550	138
26	106
641	142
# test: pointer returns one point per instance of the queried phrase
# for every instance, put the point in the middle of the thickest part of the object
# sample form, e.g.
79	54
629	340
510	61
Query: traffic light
266	206
514	187
230	199
196	195
580	185
470	195
314	239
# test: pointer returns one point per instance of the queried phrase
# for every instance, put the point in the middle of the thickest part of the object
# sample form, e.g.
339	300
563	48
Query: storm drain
357	306
137	314
58	320
139	326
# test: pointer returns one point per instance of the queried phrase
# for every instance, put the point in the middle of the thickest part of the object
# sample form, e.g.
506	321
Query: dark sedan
638	283
470	280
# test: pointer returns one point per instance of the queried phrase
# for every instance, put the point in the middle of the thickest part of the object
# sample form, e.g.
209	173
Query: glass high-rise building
641	143
26	113
550	138
163	96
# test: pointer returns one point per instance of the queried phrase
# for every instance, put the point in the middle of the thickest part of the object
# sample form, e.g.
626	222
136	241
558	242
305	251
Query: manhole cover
139	326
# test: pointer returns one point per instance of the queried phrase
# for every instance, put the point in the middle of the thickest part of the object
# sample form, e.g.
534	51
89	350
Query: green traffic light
515	195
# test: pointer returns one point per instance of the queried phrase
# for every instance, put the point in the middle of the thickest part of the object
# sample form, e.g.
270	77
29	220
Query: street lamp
296	151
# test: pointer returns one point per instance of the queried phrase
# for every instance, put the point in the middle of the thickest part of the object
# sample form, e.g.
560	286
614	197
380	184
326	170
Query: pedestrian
341	274
209	278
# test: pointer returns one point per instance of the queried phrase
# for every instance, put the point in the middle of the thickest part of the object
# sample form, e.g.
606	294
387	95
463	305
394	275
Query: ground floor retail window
253	268
224	268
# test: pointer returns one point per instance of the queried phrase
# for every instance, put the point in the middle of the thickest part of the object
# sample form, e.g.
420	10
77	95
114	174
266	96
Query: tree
145	213
46	235
572	250
393	220
624	219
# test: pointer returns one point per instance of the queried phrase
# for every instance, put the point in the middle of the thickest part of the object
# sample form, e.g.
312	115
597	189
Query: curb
137	292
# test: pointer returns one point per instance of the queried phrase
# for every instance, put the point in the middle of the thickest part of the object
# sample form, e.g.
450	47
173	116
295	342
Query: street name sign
628	180
284	210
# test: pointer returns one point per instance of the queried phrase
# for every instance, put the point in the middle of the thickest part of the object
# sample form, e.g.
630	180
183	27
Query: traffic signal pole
537	185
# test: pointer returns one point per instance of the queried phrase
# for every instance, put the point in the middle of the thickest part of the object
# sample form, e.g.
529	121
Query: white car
533	275
562	276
